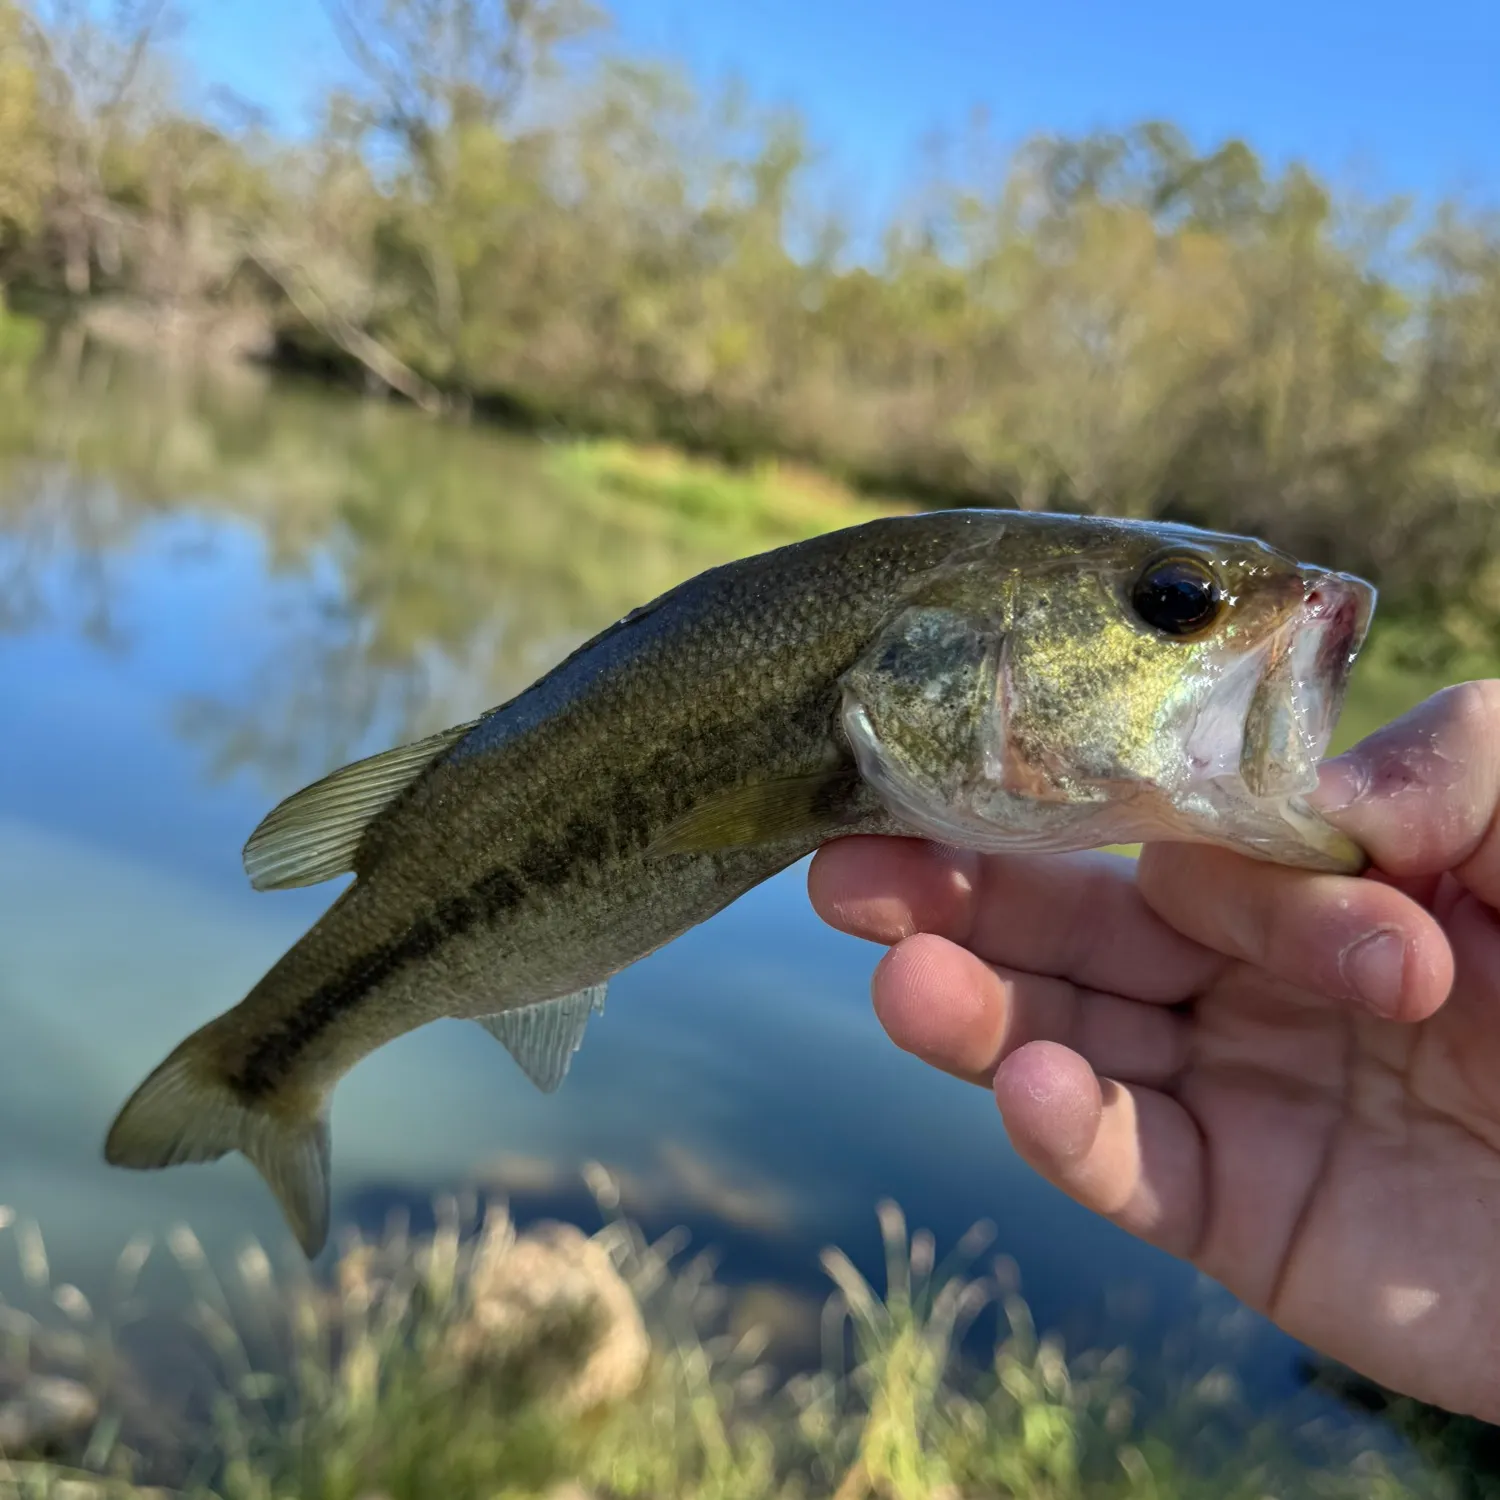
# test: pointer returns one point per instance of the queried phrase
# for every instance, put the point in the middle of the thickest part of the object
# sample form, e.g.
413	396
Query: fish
999	681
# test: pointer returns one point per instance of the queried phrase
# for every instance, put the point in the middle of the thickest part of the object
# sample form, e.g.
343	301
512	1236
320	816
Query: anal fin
543	1038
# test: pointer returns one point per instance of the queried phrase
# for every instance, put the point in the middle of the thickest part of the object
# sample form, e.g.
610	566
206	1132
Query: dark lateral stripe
544	866
632	815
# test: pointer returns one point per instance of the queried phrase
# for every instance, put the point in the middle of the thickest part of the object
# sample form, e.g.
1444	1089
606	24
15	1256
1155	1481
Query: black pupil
1176	597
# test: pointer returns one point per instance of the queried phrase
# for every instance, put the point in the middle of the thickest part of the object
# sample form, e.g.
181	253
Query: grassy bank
413	1375
758	505
21	338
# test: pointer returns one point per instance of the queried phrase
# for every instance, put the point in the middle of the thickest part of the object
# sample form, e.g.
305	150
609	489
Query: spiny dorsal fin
543	1038
759	813
314	833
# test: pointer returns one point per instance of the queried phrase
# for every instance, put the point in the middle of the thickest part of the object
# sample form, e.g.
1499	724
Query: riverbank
761	505
698	499
551	1363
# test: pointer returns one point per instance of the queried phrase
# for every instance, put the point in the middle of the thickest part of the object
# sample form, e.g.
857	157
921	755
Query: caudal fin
188	1111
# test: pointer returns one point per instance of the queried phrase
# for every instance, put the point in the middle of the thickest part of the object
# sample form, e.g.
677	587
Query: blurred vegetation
433	1366
764	504
501	212
416	572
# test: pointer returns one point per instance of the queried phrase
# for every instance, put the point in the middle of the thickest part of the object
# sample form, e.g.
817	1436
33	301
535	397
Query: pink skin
1290	1079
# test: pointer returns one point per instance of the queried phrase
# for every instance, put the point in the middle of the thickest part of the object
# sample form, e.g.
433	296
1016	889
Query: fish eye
1179	596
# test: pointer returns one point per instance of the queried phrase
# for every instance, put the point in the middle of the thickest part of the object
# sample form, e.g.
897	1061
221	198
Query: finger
1345	939
1469	1019
886	889
943	1004
1131	1154
1076	917
1421	795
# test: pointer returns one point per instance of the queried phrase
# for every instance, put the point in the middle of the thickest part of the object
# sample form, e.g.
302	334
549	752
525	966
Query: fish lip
1305	665
1343	605
1301	662
1338	607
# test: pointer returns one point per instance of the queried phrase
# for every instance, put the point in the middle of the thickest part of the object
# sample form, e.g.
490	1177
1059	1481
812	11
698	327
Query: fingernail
1375	967
1341	782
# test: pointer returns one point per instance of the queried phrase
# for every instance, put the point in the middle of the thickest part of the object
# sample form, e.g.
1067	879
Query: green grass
762	505
349	1392
21	338
1394	674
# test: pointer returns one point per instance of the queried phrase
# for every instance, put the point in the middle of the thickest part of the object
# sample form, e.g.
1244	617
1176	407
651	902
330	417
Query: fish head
1073	682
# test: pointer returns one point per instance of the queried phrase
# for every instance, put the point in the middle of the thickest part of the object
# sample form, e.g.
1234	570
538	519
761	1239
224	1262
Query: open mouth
1296	702
1337	610
1269	717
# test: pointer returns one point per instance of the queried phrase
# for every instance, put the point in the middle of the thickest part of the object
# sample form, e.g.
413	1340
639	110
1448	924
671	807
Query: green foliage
502	211
24	164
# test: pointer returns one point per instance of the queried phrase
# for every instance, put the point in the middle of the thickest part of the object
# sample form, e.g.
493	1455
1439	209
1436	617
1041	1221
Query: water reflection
211	593
408	573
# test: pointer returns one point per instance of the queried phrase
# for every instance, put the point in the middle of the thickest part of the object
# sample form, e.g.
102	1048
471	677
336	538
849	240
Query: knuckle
1473	708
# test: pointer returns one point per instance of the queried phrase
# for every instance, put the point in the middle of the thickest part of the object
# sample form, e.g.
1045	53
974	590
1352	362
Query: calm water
209	596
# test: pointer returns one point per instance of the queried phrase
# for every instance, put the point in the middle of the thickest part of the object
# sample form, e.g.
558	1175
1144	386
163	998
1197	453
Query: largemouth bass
995	680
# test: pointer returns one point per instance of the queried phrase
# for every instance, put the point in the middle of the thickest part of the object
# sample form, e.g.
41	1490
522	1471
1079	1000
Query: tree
98	79
445	83
24	160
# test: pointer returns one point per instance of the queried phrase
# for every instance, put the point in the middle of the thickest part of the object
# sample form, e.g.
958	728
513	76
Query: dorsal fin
314	833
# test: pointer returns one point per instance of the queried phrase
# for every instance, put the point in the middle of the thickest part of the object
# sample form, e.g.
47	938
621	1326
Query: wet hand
1290	1079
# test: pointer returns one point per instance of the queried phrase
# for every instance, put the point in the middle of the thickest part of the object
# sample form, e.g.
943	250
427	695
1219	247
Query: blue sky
1383	95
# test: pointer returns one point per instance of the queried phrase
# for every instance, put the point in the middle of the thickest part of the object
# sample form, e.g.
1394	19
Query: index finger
1422	795
1067	916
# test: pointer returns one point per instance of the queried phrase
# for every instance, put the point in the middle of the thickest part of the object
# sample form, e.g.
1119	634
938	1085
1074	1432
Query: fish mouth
1300	693
1272	714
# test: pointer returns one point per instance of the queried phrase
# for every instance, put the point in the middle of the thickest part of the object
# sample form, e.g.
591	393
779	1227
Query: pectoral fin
761	812
543	1038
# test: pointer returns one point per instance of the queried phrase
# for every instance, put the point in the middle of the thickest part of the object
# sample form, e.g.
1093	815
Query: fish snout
1339	606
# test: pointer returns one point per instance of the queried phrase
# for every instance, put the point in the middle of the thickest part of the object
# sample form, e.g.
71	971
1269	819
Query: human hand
1290	1079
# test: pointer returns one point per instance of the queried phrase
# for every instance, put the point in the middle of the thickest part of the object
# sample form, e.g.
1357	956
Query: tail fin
188	1111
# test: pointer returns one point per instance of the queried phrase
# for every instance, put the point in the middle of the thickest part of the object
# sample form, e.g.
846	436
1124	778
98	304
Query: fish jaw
1289	723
